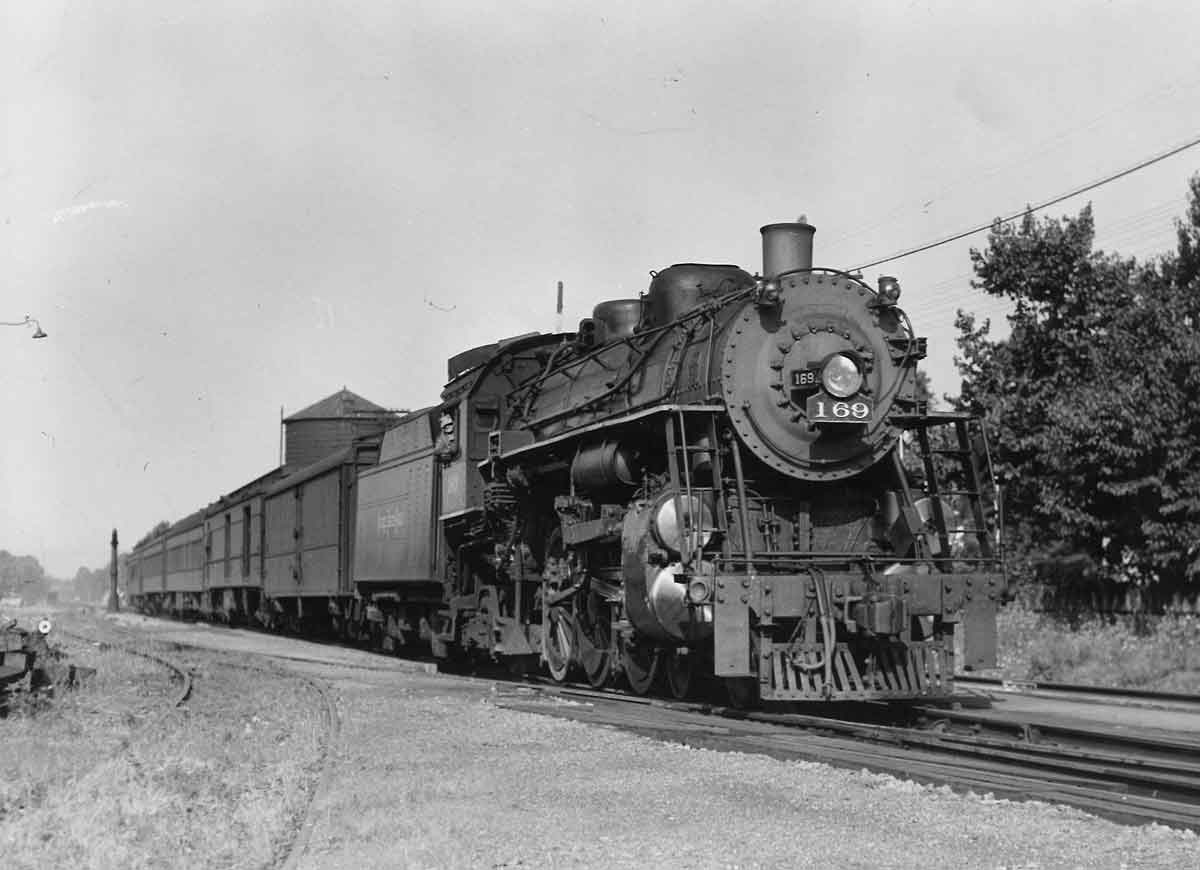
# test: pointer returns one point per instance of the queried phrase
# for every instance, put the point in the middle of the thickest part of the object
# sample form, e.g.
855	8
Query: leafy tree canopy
1093	401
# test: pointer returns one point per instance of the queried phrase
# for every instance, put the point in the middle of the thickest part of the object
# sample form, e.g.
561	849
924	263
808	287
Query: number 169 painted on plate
822	409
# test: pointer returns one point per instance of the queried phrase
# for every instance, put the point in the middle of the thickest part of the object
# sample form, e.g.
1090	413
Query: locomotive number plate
826	409
804	378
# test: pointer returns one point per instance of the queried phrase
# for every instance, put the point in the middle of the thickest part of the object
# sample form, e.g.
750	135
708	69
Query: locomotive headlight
841	376
697	524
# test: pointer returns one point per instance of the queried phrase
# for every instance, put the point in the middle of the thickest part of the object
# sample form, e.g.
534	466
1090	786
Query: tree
1093	401
21	576
17	572
159	527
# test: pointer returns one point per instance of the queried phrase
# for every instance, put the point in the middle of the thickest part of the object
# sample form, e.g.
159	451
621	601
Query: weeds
113	776
1160	653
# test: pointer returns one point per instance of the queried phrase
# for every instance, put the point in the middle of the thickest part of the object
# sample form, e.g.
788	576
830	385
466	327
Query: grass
1161	654
110	775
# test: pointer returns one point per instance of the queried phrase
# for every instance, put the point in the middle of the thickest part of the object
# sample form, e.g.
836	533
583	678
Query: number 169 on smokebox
823	409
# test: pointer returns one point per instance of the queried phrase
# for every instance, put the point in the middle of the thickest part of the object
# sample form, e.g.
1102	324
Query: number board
804	377
823	408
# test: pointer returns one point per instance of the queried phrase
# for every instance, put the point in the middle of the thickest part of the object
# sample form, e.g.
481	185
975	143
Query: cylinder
787	248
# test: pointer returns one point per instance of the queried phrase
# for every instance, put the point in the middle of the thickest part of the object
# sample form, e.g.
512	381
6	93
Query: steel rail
183	674
330	731
1118	783
1107	695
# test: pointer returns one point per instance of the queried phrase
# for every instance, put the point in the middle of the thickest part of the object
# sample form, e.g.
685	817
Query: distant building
332	424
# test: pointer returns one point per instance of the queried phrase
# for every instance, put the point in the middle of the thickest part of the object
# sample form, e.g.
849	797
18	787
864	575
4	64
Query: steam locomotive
732	477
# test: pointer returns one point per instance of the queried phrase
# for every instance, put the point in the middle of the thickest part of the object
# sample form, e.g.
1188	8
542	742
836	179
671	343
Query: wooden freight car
308	542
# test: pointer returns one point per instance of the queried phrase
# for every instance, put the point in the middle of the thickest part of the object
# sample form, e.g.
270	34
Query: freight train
733	477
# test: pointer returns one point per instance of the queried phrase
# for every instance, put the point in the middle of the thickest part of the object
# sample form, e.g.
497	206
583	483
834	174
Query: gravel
432	773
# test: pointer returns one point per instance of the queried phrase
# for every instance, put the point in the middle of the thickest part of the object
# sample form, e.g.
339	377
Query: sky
218	209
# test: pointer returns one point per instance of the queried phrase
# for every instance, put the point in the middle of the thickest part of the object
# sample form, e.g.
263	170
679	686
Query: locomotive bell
787	247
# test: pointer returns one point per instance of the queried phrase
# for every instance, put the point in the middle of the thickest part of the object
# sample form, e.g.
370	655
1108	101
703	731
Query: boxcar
308	541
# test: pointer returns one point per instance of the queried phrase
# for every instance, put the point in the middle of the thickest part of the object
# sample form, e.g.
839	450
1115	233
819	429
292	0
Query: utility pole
114	604
558	321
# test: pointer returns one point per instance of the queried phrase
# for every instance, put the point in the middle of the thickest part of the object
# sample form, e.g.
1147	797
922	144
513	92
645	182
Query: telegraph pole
114	604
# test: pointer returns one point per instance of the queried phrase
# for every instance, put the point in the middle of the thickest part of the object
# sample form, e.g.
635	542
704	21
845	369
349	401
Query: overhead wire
1041	147
1132	227
1143	229
1108	179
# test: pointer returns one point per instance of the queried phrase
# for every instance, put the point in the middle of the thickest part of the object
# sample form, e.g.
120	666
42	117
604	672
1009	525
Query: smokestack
787	247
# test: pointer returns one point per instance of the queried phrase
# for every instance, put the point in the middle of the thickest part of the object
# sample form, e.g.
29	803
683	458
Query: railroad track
1118	776
303	825
181	674
1129	777
1085	694
300	828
